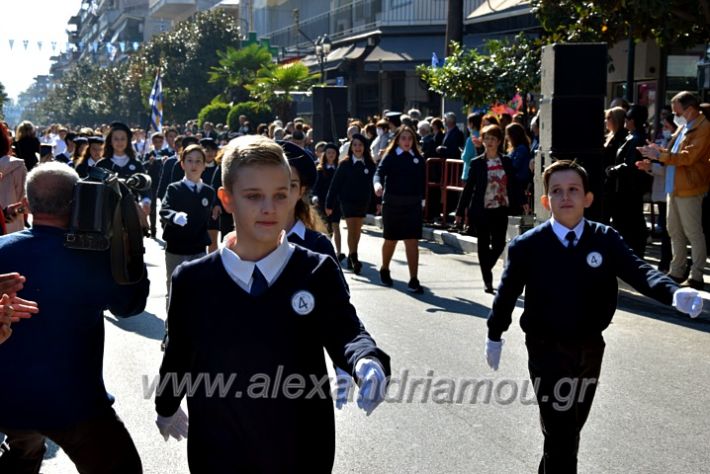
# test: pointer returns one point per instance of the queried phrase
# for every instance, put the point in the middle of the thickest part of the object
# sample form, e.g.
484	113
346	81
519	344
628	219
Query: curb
468	244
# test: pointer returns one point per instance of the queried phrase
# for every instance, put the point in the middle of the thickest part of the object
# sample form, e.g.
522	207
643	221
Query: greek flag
156	104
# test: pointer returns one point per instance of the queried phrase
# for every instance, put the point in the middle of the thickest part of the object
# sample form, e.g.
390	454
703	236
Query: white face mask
667	134
380	132
680	120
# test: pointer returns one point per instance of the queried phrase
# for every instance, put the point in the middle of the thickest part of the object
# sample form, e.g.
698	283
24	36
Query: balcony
172	9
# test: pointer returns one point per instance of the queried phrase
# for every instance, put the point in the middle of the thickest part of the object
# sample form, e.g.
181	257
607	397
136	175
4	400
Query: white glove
180	218
492	353
343	381
175	426
373	384
688	300
314	200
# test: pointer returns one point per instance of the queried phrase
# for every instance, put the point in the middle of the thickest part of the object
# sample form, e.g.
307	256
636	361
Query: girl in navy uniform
90	157
210	178
488	195
400	182
327	164
120	158
273	308
304	226
351	190
185	212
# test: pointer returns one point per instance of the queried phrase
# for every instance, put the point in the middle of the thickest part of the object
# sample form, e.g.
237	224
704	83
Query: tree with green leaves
680	23
274	86
238	67
493	75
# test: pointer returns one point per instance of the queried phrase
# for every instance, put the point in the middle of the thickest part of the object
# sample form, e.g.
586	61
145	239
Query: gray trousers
172	261
685	225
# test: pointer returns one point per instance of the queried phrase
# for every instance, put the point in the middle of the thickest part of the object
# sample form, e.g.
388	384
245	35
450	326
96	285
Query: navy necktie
258	283
570	237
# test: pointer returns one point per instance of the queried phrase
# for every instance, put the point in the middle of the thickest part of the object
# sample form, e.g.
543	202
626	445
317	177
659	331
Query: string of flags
93	46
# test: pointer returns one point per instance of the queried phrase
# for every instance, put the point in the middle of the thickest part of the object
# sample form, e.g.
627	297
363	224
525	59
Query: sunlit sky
32	21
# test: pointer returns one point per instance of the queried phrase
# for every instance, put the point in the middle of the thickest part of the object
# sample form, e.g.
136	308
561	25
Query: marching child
351	190
327	164
273	308
185	212
568	267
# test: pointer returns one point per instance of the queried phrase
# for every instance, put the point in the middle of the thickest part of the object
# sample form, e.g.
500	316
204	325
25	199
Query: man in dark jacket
52	378
453	139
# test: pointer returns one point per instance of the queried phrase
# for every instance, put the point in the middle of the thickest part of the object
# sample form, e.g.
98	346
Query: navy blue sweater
315	242
401	175
351	185
570	294
251	338
51	376
193	237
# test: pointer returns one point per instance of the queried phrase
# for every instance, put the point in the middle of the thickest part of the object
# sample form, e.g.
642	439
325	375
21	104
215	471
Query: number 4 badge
594	259
303	302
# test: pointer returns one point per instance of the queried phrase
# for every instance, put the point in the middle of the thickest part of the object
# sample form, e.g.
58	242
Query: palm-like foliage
274	85
238	67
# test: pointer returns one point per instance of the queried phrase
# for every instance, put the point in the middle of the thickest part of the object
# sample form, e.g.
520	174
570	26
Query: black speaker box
572	124
574	69
330	113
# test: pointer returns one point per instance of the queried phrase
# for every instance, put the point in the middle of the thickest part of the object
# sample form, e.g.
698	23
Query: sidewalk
628	296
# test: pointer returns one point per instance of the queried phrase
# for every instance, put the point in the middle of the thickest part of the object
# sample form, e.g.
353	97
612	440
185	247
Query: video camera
105	216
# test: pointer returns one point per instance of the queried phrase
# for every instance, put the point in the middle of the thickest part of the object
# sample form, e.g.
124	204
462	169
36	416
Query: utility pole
454	32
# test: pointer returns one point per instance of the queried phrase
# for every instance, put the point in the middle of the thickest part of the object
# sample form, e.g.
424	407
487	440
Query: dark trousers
490	228
565	376
153	218
100	445
666	249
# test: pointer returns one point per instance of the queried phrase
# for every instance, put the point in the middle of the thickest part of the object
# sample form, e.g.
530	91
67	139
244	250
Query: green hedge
215	113
256	112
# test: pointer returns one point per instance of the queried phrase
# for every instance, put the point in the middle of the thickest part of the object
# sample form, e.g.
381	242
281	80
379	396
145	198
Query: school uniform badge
594	259
303	302
367	171
416	161
132	167
205	202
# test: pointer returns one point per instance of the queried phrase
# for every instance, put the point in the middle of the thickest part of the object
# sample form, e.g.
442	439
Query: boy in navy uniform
271	309
569	268
185	212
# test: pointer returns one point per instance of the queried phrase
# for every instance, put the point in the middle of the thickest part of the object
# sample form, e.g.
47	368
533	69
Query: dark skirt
402	217
353	210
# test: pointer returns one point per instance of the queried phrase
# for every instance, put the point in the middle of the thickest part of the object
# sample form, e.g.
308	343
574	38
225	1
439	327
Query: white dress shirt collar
271	266
192	184
399	151
299	228
120	161
561	231
356	159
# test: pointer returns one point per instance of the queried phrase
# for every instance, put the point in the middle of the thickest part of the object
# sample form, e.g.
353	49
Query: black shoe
355	264
490	290
694	284
385	277
676	279
414	287
341	257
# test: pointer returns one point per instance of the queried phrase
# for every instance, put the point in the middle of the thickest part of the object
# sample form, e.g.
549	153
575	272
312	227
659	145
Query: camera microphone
139	182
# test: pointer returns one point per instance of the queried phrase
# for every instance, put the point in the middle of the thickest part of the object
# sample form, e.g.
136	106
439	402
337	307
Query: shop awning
501	9
401	53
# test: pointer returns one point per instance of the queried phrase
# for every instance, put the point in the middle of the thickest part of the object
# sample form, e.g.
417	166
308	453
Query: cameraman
52	381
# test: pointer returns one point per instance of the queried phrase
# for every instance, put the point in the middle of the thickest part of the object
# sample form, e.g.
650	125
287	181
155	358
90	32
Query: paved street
650	415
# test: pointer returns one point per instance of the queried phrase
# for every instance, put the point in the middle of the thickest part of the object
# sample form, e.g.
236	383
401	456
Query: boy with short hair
257	315
568	267
185	212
